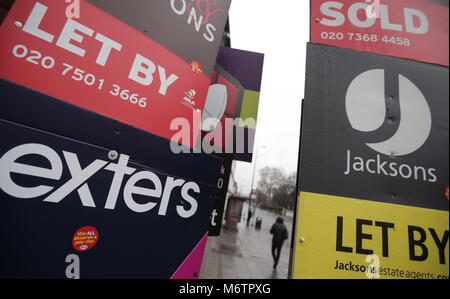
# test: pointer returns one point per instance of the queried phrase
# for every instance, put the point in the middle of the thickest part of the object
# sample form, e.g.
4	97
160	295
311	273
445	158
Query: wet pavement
246	253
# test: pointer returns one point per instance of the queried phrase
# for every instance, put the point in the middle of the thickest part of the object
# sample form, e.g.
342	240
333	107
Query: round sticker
196	68
85	238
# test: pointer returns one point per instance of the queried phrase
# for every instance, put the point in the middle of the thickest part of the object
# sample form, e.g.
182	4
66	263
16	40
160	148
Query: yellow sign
339	237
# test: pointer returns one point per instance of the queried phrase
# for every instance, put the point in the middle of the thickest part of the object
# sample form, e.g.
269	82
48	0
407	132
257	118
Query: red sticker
85	238
446	192
196	68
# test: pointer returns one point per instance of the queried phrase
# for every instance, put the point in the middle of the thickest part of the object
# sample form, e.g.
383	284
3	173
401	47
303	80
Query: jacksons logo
366	107
380	166
199	13
10	167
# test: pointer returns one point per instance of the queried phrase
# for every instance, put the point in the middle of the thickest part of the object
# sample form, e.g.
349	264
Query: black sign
76	185
375	128
192	30
215	225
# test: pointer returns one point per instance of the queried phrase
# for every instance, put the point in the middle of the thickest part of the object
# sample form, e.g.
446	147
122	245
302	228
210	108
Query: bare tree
285	196
270	179
277	186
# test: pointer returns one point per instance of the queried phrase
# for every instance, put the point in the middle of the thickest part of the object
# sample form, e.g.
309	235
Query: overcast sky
280	30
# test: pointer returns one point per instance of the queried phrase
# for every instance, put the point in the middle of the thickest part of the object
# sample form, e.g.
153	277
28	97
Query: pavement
246	253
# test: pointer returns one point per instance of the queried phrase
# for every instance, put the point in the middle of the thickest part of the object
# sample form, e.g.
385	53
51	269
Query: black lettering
384	235
360	236
413	243
339	234
441	244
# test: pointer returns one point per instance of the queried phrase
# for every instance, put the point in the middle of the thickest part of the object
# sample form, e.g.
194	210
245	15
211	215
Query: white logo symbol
83	247
216	103
366	111
189	97
191	93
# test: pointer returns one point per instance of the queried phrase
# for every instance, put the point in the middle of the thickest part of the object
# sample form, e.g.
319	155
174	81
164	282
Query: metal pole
253	179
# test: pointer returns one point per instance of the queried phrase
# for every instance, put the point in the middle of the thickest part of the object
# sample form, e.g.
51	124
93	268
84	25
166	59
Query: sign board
220	113
215	225
193	30
241	73
374	162
354	238
223	141
77	188
247	68
102	64
409	29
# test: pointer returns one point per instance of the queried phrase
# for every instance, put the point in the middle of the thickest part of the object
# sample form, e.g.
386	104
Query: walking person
280	234
249	216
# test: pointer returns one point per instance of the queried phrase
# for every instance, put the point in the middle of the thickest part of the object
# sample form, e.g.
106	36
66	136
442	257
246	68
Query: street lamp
253	179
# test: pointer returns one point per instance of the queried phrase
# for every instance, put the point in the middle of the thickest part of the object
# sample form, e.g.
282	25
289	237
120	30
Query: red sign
99	63
85	238
412	29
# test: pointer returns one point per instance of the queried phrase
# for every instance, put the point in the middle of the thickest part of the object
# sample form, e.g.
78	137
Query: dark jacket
279	232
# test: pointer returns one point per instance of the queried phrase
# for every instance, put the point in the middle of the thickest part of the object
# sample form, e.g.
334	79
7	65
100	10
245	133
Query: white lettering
194	205
353	16
171	183
69	34
142	70
409	21
107	45
180	7
431	172
165	82
80	176
361	165
131	188
175	9
9	165
213	217
385	22
197	21
209	35
120	170
415	21
34	20
337	18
